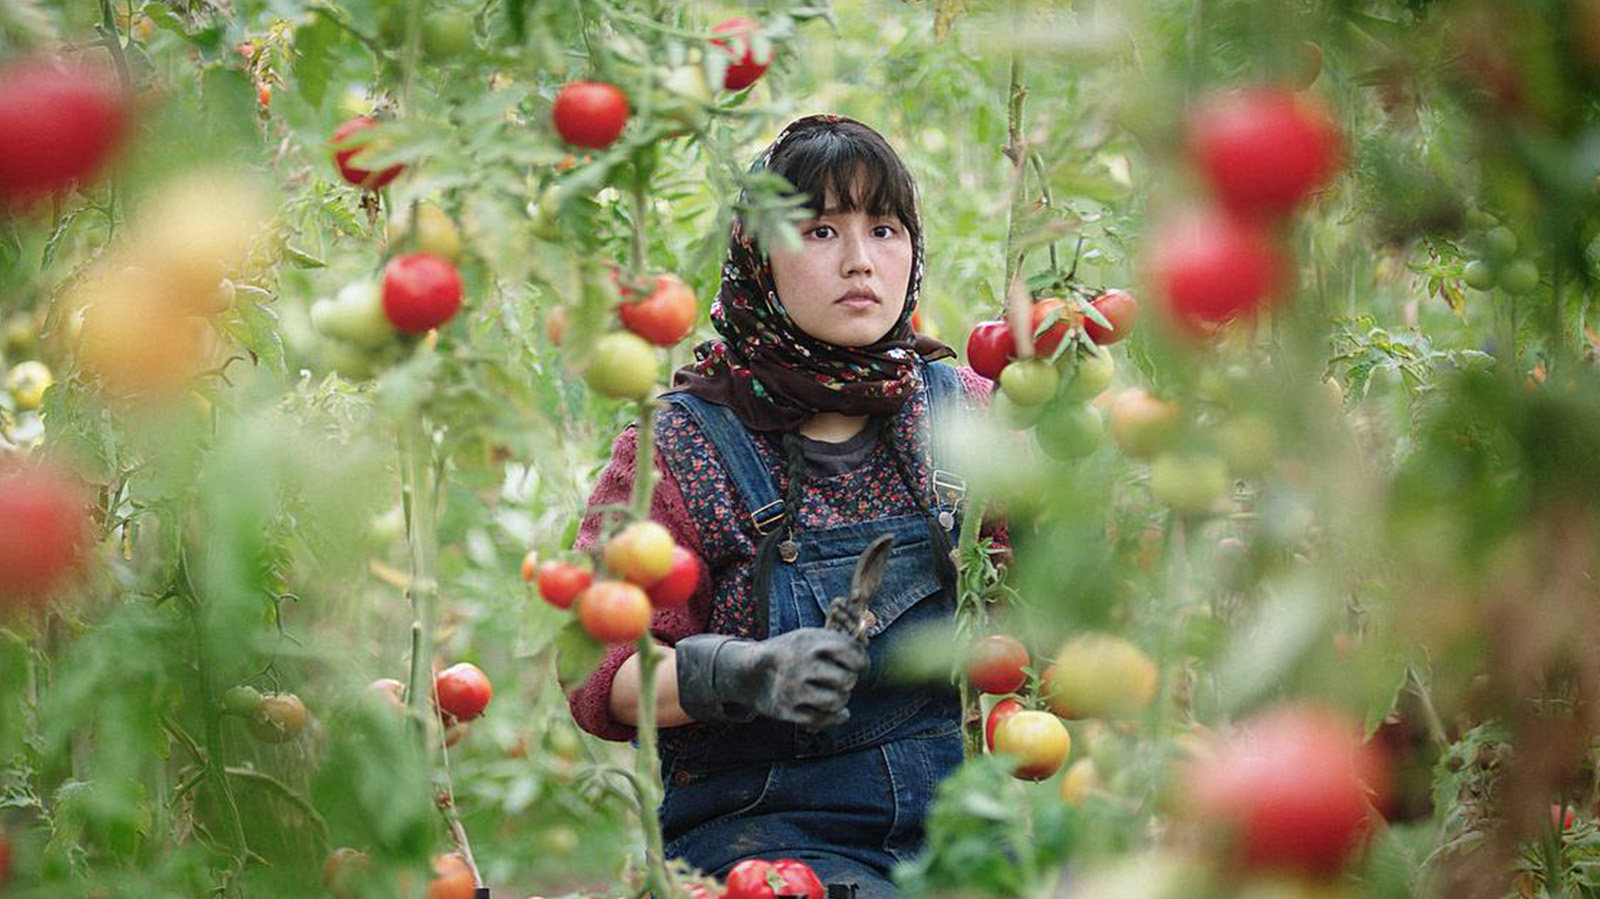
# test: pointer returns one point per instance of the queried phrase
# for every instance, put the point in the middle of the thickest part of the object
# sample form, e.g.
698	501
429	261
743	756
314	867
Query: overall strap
944	388
743	463
754	485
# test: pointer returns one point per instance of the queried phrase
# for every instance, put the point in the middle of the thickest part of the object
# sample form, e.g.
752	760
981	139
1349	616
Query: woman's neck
833	427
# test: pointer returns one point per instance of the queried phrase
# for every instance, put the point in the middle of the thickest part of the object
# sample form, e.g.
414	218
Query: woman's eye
886	230
817	231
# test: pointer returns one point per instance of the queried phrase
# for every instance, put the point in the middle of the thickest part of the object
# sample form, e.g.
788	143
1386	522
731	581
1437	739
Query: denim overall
850	800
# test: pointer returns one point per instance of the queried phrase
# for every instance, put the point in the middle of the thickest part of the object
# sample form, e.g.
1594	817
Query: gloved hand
804	676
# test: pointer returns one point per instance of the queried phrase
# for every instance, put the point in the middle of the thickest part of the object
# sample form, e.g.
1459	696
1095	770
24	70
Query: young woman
789	445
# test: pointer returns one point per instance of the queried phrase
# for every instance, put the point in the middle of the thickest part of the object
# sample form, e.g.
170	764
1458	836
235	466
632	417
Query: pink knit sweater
591	701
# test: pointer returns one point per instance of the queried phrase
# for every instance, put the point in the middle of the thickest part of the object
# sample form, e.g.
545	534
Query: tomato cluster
650	569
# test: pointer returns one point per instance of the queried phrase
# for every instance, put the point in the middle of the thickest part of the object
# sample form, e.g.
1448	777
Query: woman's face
847	283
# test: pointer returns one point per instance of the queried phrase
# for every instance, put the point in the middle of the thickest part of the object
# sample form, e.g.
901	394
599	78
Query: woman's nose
857	257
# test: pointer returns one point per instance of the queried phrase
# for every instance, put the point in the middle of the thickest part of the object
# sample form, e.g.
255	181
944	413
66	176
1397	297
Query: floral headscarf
774	375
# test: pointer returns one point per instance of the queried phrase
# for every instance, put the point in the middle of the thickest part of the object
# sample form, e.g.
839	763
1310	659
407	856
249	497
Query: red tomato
44	533
264	94
59	123
614	611
463	690
1562	819
452	879
1002	710
420	292
356	175
665	317
530	564
680	582
5	858
1045	344
590	114
1292	789
989	347
798	879
388	691
561	582
996	662
1211	268
1263	150
745	70
752	878
1120	309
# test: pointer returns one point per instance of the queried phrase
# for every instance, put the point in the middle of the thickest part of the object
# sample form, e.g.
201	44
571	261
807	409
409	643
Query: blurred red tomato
1263	150
59	123
44	533
354	174
1211	268
1292	790
745	70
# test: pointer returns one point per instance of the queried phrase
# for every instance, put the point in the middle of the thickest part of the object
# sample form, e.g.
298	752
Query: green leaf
577	655
315	55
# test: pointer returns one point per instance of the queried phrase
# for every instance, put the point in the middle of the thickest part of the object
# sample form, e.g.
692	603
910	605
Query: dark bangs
863	170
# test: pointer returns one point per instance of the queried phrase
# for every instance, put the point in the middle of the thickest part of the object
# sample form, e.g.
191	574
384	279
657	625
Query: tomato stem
970	605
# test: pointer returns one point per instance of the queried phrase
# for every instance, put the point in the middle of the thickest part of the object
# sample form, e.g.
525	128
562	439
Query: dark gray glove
804	677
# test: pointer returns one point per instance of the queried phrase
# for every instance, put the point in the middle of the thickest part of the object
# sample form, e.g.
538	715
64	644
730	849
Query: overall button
788	550
682	778
946	520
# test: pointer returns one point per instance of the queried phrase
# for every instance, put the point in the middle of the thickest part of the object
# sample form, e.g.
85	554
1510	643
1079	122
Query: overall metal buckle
765	518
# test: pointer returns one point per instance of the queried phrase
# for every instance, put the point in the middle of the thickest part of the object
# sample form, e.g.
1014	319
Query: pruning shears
849	614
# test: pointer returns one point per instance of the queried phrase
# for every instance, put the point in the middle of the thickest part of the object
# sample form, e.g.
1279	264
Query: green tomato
355	316
446	34
1017	418
1092	376
1069	431
1478	275
242	700
1500	243
624	366
1030	382
1189	483
1248	443
1520	277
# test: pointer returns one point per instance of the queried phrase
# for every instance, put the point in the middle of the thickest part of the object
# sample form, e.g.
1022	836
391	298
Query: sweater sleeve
591	701
979	390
